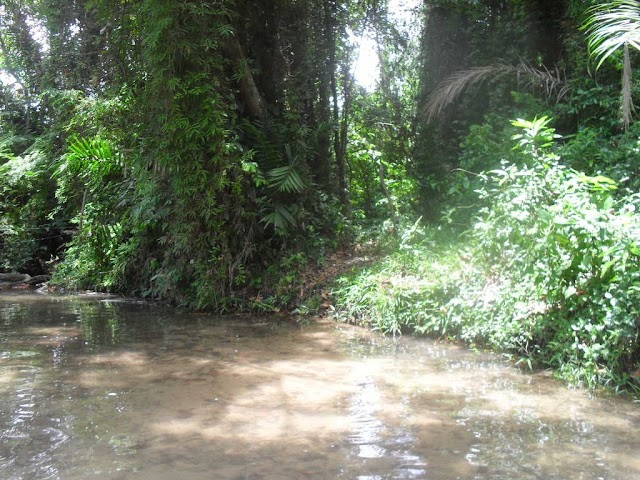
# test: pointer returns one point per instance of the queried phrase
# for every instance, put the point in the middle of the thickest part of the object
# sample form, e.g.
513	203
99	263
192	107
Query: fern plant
288	178
94	167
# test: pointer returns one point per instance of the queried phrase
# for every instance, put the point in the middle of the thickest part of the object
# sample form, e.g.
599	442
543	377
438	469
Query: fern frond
286	179
281	218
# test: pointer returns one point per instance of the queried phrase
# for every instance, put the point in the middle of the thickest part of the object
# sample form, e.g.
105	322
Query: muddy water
97	389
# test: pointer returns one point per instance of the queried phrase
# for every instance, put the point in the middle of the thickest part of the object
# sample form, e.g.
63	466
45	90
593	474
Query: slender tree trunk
387	194
322	172
329	24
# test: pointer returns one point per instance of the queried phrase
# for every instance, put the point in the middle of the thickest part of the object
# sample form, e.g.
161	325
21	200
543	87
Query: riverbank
22	281
442	289
432	286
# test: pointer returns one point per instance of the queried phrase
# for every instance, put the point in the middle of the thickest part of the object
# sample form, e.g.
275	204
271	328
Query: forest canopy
218	154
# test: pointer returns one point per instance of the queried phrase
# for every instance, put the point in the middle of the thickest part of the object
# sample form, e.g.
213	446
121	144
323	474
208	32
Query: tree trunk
249	92
330	22
392	206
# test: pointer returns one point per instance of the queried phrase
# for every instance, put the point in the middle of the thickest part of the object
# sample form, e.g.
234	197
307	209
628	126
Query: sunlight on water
367	427
110	390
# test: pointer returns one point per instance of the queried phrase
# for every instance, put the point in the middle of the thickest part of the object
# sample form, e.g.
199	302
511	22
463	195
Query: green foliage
481	41
405	291
562	236
596	151
371	150
91	161
91	177
550	272
282	218
196	154
286	179
536	137
279	173
483	149
25	199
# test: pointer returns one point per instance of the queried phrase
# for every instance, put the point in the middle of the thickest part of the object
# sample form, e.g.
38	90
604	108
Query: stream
94	387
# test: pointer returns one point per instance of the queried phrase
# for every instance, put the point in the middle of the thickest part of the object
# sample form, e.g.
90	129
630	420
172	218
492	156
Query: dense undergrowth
549	271
220	156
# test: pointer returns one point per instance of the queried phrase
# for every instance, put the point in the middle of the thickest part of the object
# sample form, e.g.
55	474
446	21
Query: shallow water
92	388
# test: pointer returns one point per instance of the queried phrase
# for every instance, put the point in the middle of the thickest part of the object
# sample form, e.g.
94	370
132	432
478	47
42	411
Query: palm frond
451	87
266	140
90	157
281	218
610	26
552	82
286	179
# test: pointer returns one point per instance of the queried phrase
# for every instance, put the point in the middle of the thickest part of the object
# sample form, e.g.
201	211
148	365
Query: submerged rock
124	444
14	277
36	279
21	280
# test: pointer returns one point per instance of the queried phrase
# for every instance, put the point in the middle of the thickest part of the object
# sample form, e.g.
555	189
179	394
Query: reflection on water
372	439
95	389
367	427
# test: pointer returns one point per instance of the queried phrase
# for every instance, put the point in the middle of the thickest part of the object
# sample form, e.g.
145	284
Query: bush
571	248
550	272
28	236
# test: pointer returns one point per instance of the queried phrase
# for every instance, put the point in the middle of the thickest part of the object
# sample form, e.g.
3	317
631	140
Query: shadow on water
96	388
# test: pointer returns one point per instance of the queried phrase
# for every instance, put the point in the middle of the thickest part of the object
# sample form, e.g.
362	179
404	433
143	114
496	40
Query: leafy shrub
596	152
405	290
571	248
550	272
25	231
90	177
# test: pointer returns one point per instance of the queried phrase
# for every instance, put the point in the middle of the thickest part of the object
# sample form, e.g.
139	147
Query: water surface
92	388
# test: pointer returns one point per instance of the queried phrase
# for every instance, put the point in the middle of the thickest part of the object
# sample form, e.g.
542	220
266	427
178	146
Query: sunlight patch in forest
366	67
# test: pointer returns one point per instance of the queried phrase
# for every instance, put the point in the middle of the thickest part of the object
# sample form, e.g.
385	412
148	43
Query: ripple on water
376	444
158	395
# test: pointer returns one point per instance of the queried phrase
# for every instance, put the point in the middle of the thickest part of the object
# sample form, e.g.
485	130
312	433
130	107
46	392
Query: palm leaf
281	218
90	157
451	87
611	26
552	81
286	179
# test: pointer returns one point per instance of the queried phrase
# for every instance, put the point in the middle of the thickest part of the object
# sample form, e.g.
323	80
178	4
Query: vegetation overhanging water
219	155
